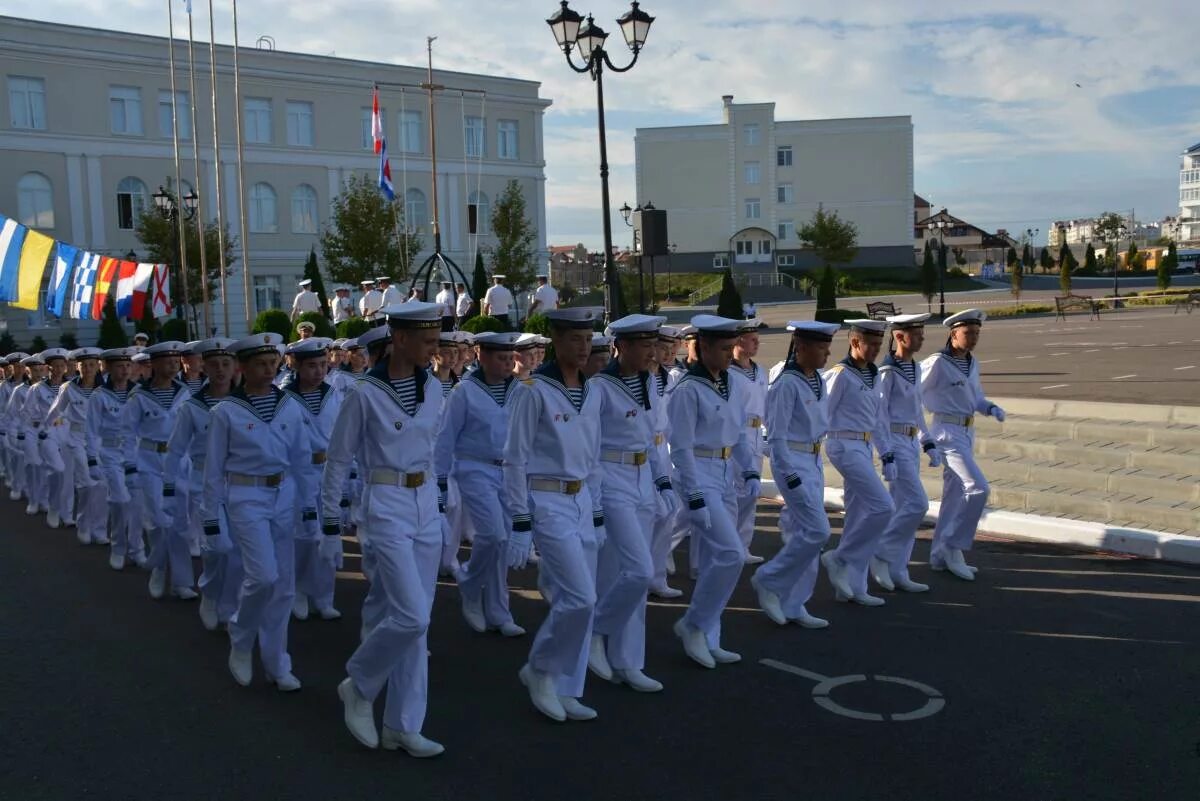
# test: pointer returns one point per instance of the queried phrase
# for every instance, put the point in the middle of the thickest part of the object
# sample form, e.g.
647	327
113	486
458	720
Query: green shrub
480	323
324	327
38	345
112	333
275	321
729	302
354	327
539	324
7	344
68	340
826	293
1017	311
955	272
835	315
176	329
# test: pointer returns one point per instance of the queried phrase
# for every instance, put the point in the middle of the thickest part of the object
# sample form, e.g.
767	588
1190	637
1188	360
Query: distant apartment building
1189	195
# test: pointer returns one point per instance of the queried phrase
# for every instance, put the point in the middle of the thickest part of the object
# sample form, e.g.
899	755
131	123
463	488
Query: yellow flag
34	255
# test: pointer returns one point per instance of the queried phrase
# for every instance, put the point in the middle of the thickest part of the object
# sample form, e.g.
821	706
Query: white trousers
719	551
896	543
315	577
748	504
804	527
125	528
484	578
170	548
624	568
964	491
868	508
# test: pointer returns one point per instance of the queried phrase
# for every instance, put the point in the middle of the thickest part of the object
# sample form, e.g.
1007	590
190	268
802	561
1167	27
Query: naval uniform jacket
474	426
947	389
627	425
855	400
797	414
901	403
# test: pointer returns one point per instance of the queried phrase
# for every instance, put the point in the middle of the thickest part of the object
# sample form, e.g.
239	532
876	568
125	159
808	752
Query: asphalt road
1057	674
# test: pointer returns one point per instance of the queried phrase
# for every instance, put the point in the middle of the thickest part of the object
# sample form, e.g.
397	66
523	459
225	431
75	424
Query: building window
264	218
785	261
182	109
299	124
267	293
410	132
764	246
783	156
125	110
785	194
753	208
743	248
720	260
416	213
506	139
479	205
257	121
750	134
368	141
27	103
787	230
131	202
474	136
304	210
35	201
753	173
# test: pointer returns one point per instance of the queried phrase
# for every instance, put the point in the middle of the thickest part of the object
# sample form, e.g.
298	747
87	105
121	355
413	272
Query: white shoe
52	519
208	613
413	743
723	657
671	563
138	559
908	585
771	605
184	593
881	571
158	583
957	565
598	658
666	592
116	561
300	606
14	495
241	665
69	522
101	540
194	549
866	599
694	644
511	629
541	693
576	710
837	574
287	683
82	536
31	509
753	559
329	613
637	680
810	621
472	611
358	713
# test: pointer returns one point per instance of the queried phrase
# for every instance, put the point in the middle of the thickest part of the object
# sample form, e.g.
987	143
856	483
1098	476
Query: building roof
1194	148
920	201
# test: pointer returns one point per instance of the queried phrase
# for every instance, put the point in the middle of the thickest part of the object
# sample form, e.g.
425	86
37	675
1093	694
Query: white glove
700	517
520	543
330	548
670	500
935	457
998	413
890	472
753	487
601	536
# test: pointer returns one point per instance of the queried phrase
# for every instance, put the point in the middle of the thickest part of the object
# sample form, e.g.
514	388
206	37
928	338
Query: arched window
304	210
264	218
416	212
35	201
483	213
131	202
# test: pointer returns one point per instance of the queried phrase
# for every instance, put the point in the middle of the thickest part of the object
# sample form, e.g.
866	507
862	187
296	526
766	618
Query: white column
99	239
75	197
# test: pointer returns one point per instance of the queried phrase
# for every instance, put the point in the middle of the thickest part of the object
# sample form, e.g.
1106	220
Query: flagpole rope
404	185
180	216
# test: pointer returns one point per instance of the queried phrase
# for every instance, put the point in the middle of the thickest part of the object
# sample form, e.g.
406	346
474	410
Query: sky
1024	112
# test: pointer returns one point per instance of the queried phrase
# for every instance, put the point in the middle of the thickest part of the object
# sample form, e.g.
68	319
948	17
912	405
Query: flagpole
179	216
212	66
237	113
196	164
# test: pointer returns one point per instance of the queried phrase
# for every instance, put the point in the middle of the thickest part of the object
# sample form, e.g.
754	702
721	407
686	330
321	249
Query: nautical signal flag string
80	282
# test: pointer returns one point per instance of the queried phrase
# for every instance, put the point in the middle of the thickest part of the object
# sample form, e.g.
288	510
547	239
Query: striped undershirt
814	382
406	389
576	396
962	363
865	373
312	400
750	372
87	391
163	396
446	387
723	386
908	368
264	405
210	401
194	384
633	383
122	394
498	391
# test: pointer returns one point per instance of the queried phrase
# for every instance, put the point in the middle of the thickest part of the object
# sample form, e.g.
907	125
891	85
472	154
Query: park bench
881	309
1187	302
1067	303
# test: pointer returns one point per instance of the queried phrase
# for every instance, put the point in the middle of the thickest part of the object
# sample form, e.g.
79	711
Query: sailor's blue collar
870	368
698	370
553	371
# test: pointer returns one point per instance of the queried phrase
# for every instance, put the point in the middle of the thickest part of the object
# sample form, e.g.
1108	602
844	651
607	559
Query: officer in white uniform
750	381
545	297
855	424
14	377
305	301
710	449
28	453
907	436
470	450
797	424
636	486
370	303
340	306
111	454
462	307
82	498
389	422
49	468
498	300
953	394
446	298
389	295
551	485
258	449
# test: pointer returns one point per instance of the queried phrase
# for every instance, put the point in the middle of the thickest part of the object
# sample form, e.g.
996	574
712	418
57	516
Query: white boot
637	680
413	743
541	693
957	565
598	658
359	714
881	571
694	644
769	602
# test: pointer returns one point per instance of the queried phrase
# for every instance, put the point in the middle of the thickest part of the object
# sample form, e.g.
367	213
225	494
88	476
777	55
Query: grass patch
1019	310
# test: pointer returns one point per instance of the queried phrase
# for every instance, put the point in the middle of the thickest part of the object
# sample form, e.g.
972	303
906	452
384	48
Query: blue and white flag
12	239
60	279
385	171
84	288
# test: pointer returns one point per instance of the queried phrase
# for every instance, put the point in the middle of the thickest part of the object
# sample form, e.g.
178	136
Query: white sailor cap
341	289
366	282
465	337
497	340
542	276
377	335
140	357
189	348
711	325
499	276
309	324
688	331
217	346
413	314
169	348
79	354
306	282
266	342
865	326
751	324
141	336
582	317
308	348
601	343
32	360
542	341
351	344
337	344
117	354
669	333
382	278
965	317
448	338
908	320
525	341
54	353
635	326
15	358
813	330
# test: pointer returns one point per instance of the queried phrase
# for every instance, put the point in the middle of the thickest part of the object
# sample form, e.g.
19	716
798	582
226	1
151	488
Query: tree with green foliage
1066	266
275	321
7	344
1110	228
68	340
176	329
1027	261
729	301
112	333
832	239
479	286
1134	259
367	235
1045	260
515	251
1167	265
481	323
313	273
38	345
324	328
1090	267
929	275
354	327
1016	272
827	296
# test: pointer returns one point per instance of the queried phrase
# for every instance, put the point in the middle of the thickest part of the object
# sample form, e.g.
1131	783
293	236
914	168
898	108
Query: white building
88	140
739	190
1189	195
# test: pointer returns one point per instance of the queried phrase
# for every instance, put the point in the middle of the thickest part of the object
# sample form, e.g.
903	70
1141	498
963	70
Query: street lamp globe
565	25
625	212
164	202
190	201
591	38
635	24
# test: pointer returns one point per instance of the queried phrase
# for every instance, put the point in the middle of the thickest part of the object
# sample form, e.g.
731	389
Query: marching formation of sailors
592	465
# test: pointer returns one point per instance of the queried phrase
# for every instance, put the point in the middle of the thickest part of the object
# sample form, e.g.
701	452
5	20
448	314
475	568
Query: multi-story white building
1189	195
88	140
737	192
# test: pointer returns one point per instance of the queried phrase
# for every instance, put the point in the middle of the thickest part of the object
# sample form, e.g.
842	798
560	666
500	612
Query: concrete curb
1092	410
1056	531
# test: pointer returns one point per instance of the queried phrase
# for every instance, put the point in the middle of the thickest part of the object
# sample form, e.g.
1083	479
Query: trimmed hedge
354	327
481	323
275	321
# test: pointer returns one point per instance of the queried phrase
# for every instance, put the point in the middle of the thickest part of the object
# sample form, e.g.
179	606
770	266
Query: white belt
713	453
467	458
860	436
396	478
905	429
954	419
635	458
154	445
78	428
113	442
805	447
571	487
243	480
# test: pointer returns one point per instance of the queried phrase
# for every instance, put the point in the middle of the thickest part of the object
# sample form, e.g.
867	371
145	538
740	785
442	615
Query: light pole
638	252
588	39
940	227
169	208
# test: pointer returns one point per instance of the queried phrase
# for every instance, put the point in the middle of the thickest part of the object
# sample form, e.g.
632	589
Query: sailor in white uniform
305	301
953	394
855	425
710	448
446	298
45	452
83	496
370	303
798	422
636	485
14	377
258	449
907	436
389	422
187	450
666	520
551	486
389	295
28	453
470	450
111	454
750	380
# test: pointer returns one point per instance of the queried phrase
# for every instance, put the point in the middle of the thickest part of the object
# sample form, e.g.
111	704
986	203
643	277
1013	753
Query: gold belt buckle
755	422
969	421
725	452
659	439
639	458
816	448
572	487
318	457
160	447
413	480
273	481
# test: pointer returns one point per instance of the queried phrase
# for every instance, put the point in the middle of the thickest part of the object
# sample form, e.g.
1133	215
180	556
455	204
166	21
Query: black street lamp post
570	31
940	227
168	207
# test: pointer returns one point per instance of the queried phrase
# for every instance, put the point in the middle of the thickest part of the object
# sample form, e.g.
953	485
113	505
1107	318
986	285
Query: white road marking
1093	350
1056	386
1064	353
988	361
934	701
1119	377
1189	367
1176	342
1122	347
1026	357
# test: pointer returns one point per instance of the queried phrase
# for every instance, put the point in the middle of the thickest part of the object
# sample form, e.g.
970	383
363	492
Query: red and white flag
161	302
376	121
141	285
